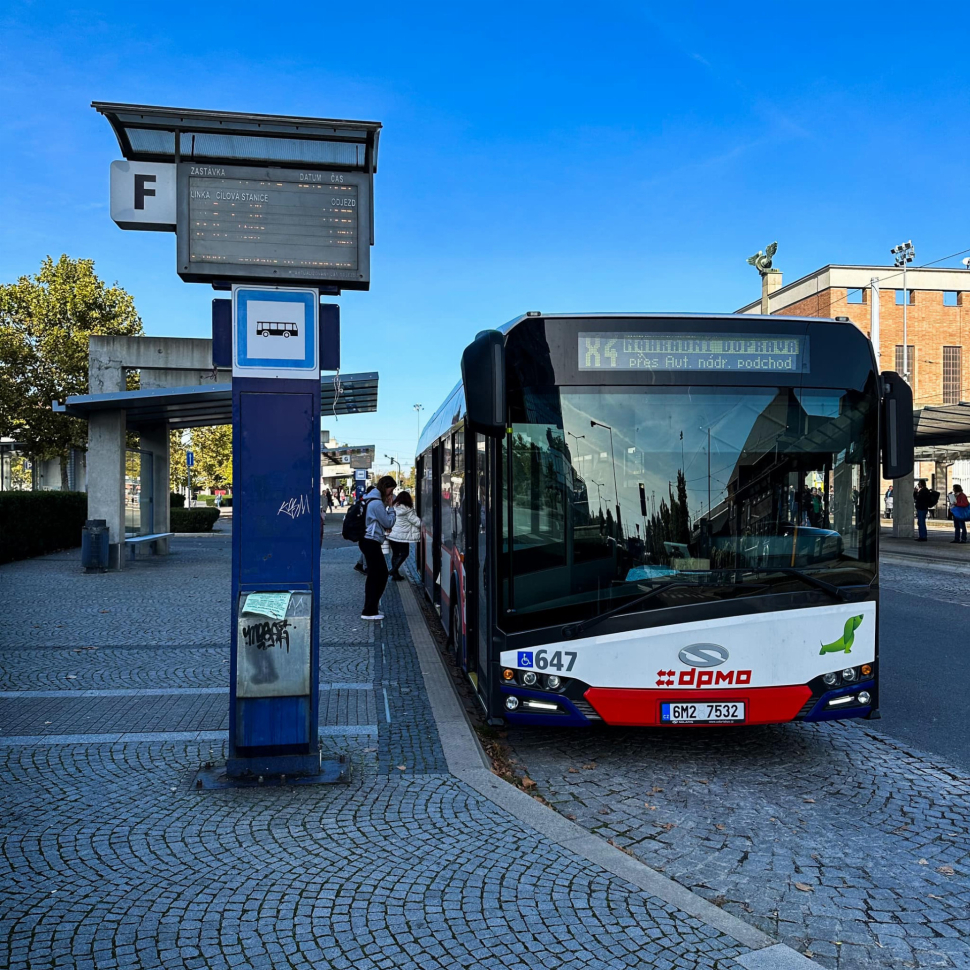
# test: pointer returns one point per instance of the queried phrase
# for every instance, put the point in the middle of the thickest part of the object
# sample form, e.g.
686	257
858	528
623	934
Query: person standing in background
407	529
960	510
378	521
924	503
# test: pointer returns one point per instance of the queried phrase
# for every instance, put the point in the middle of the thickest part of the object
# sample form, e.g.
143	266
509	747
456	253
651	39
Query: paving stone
836	806
108	859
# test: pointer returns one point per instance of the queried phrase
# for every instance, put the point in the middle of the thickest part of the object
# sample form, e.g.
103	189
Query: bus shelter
131	491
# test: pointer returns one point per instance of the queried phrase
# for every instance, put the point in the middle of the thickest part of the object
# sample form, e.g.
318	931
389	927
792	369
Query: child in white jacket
406	529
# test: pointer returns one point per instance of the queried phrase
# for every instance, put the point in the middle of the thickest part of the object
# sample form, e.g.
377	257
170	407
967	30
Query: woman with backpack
407	529
960	510
378	521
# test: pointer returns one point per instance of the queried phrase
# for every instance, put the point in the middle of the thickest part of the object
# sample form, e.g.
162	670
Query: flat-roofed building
937	332
938	320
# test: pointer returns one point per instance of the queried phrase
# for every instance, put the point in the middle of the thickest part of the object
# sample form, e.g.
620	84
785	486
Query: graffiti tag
262	636
295	507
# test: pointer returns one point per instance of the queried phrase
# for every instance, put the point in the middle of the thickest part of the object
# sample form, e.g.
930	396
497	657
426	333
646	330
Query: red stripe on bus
638	707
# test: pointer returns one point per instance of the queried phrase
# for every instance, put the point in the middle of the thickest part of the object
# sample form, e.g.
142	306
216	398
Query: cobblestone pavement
109	859
945	583
835	838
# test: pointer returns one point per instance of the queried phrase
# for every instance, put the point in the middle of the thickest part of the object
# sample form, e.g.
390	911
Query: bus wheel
265	333
286	333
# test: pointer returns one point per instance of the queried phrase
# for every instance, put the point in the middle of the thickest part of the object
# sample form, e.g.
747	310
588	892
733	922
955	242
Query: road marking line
131	737
387	707
153	691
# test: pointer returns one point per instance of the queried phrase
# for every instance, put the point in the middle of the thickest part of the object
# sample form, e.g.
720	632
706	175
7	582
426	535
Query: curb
467	761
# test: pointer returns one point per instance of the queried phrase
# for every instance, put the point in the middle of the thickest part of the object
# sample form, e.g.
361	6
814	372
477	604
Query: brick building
937	331
938	320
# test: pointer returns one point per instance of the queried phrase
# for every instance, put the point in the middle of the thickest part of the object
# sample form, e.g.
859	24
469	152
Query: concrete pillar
155	440
105	376
904	508
941	478
106	478
770	282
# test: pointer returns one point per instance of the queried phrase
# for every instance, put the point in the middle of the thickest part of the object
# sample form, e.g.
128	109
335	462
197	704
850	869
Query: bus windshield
720	491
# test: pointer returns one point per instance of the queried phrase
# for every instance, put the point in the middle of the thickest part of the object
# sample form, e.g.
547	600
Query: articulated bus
663	520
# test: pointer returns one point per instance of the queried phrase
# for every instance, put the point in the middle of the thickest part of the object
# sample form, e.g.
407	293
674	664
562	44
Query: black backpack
355	521
933	499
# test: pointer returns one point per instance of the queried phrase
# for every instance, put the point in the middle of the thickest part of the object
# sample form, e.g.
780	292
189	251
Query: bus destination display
756	353
273	225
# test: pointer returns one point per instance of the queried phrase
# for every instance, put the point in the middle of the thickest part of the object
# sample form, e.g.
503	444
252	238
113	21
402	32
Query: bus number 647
544	662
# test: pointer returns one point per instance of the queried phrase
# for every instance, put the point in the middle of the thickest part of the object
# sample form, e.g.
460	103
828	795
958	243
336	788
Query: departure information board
273	225
756	353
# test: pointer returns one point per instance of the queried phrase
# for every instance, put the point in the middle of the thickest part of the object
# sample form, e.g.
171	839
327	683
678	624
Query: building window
899	297
900	368
951	298
853	296
952	375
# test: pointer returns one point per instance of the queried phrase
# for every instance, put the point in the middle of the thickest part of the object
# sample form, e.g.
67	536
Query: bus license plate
702	712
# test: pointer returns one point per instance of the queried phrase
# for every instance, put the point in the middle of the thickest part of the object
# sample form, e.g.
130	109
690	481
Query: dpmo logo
703	678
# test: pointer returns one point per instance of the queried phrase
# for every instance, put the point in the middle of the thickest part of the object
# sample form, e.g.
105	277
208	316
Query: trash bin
94	545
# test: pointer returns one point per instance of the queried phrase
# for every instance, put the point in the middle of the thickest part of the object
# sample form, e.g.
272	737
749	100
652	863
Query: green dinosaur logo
844	643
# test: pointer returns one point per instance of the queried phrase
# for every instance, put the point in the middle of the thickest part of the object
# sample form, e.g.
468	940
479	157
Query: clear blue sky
535	156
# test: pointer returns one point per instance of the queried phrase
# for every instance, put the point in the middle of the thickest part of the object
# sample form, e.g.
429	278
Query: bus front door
476	582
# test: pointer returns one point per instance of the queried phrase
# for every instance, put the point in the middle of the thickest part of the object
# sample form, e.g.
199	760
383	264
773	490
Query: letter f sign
141	190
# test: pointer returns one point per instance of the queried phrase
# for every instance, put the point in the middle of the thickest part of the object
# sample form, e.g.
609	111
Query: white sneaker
376	616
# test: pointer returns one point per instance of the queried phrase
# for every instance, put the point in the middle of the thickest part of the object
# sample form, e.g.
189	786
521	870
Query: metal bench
134	541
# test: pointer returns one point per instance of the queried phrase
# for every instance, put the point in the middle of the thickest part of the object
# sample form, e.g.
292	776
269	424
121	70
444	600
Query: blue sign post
274	693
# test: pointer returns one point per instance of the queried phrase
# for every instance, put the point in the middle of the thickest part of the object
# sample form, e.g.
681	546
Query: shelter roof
148	133
942	432
211	404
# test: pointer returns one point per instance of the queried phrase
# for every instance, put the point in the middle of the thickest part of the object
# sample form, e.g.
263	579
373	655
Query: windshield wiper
572	630
841	593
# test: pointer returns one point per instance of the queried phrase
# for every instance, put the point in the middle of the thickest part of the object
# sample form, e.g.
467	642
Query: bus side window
447	538
458	490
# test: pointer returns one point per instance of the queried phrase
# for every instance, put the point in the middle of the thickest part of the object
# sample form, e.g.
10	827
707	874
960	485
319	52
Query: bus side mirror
896	424
483	377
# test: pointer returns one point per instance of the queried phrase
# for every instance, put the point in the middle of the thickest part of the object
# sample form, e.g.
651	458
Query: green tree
213	457
45	323
177	468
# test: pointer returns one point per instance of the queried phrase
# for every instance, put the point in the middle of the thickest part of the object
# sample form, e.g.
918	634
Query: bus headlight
849	674
553	682
528	678
511	703
830	680
864	697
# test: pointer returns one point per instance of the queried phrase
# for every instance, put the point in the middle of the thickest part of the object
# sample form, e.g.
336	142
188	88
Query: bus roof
452	410
743	319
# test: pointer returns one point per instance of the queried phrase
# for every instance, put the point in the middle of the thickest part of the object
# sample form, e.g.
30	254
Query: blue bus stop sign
190	459
274	679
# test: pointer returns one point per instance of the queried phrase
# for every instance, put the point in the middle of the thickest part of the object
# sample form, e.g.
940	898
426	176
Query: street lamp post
616	491
418	408
904	254
599	493
578	437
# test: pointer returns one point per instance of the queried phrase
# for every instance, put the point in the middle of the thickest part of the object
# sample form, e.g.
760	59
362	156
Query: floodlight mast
904	254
